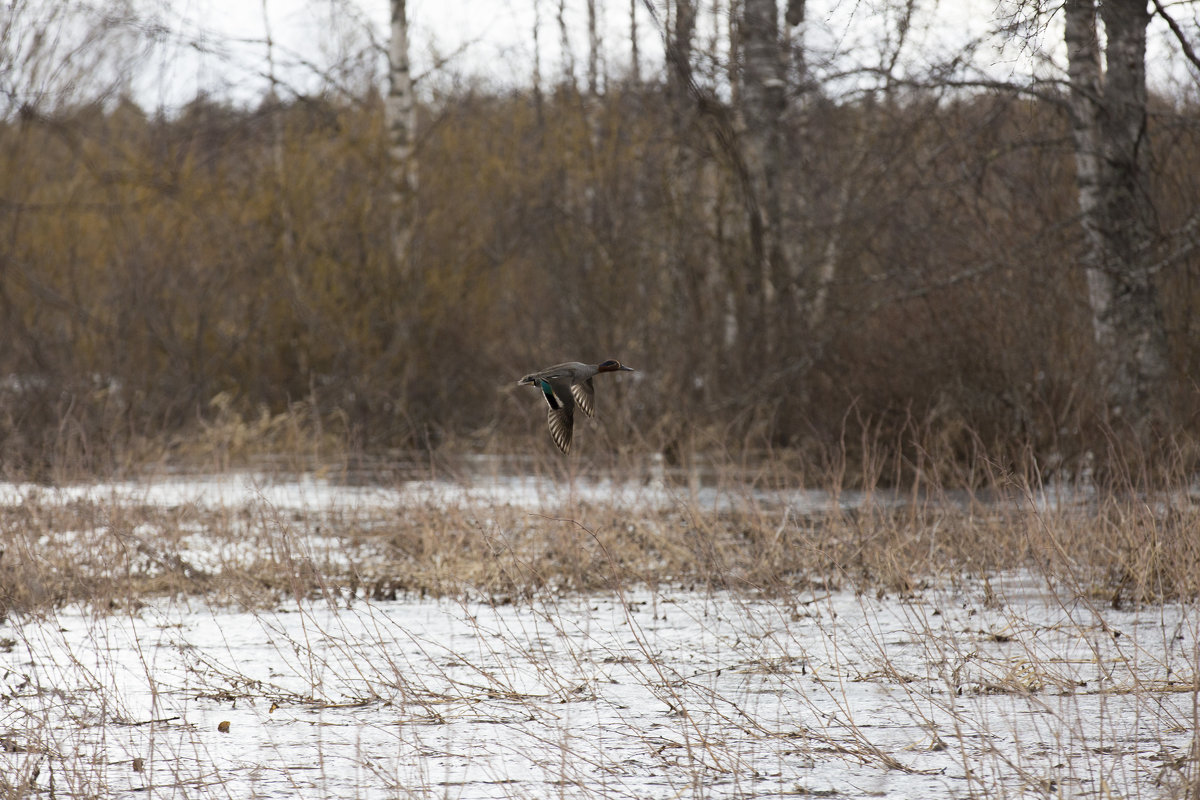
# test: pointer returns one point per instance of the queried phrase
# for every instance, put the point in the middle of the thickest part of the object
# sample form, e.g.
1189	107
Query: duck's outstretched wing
560	416
585	396
561	422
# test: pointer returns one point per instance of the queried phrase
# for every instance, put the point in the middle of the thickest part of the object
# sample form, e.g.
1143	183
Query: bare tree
53	55
594	49
1108	115
763	104
537	57
287	235
564	36
635	65
401	122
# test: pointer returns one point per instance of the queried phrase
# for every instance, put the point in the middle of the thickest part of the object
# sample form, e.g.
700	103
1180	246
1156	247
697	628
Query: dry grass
1122	547
923	571
872	593
702	694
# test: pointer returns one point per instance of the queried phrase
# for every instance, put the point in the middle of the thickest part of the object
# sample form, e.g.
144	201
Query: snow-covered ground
478	481
671	694
308	492
1005	686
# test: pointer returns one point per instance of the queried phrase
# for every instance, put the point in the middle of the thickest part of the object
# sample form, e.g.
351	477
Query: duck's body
564	387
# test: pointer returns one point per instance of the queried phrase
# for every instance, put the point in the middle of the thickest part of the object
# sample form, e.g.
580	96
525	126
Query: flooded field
970	685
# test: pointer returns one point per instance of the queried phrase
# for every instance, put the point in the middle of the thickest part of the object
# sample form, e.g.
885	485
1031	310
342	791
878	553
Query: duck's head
612	366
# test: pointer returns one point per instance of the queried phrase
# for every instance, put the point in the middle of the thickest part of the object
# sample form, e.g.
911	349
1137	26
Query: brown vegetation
160	272
119	551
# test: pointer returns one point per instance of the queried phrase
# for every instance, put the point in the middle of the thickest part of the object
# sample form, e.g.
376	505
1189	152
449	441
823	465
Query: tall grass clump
905	521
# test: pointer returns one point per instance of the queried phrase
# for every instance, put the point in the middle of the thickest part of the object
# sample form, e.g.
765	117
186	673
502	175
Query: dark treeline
156	272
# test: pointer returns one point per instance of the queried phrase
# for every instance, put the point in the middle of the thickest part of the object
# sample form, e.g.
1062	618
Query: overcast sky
492	40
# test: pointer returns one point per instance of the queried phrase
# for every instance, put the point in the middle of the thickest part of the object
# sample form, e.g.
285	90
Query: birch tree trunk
763	101
635	61
287	238
593	69
564	37
401	123
537	60
1108	110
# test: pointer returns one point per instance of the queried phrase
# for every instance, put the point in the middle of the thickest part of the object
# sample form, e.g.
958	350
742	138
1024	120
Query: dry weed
115	551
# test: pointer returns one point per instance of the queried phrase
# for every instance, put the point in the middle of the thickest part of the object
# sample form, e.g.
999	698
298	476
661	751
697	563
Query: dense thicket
156	272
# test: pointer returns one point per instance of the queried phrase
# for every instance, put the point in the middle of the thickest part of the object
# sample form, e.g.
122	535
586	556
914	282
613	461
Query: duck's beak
626	369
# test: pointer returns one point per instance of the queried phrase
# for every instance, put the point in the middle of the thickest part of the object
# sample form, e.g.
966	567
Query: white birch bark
635	60
400	110
568	55
537	59
1108	110
763	101
593	69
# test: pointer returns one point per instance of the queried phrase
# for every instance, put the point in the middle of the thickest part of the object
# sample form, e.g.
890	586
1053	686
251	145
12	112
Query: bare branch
1184	44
